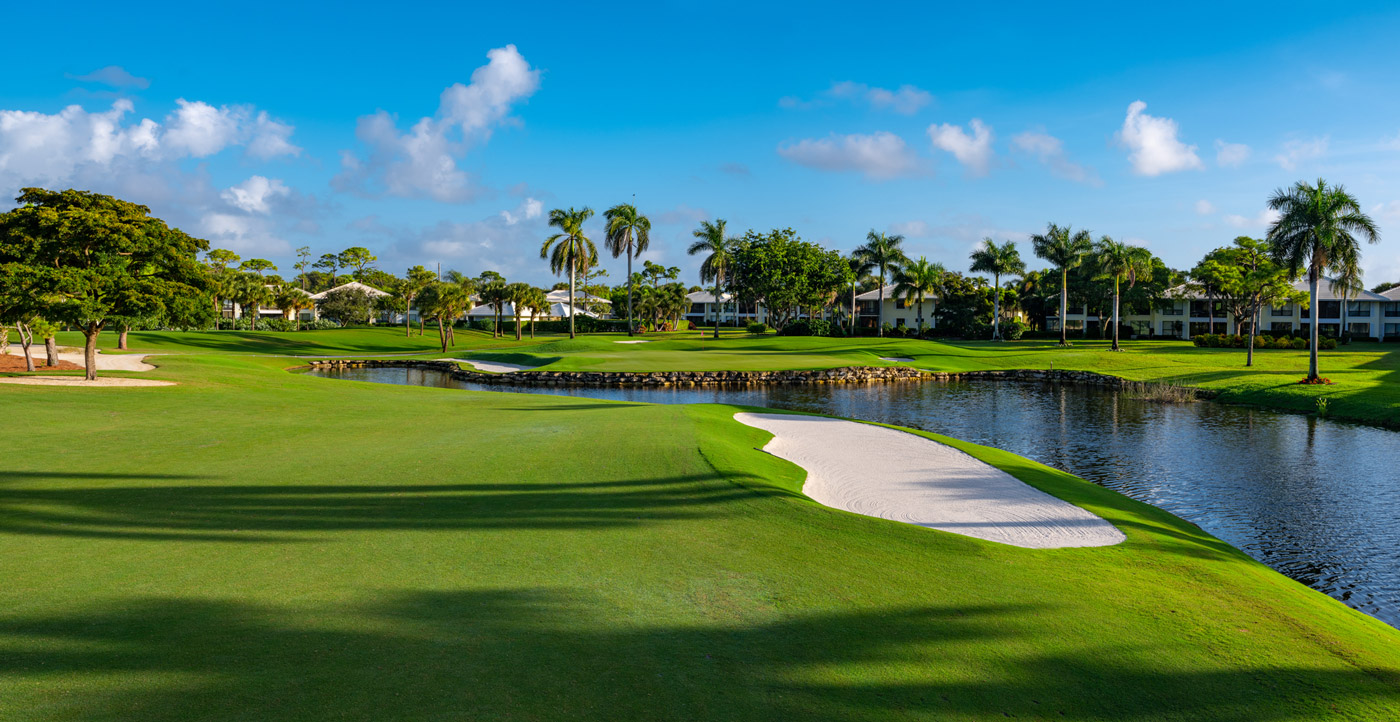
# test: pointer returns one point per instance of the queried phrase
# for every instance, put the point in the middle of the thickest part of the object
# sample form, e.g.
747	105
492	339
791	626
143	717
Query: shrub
1012	330
690	325
1300	343
837	331
807	327
1327	344
1282	342
757	328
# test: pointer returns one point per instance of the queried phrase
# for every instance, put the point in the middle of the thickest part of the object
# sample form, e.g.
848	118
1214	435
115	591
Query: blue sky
443	134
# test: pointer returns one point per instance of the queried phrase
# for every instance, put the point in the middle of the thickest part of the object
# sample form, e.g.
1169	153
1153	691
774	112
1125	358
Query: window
1281	326
697	309
1282	310
1359	329
1172	310
1141	328
899	323
1204	309
1358	308
1391	309
1171	328
1329	309
867	308
901	303
1392	330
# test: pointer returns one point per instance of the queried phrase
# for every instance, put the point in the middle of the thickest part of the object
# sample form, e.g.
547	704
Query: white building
1188	314
899	312
704	310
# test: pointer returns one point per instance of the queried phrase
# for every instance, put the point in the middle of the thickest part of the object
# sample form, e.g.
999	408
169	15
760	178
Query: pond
1315	499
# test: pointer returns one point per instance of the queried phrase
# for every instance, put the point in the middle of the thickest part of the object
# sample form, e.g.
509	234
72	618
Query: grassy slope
260	545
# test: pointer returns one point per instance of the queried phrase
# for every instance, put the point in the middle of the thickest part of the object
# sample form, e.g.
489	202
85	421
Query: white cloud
882	155
973	151
1392	143
1297	150
74	144
1262	220
1230	155
529	209
253	195
911	229
905	100
271	138
242	234
1205	207
423	161
115	76
1153	145
1050	151
682	215
1389	211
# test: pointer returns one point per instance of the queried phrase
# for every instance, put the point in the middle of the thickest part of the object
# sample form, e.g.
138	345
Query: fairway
255	544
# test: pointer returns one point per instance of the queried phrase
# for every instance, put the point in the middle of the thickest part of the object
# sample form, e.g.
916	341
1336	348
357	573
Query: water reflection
1314	499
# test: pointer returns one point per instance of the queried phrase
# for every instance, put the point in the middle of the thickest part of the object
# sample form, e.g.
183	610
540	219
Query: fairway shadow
554	654
249	513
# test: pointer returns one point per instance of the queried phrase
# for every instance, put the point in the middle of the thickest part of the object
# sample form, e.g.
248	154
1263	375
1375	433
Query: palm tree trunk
1312	327
571	299
442	335
1253	328
1115	313
517	322
996	306
407	323
880	316
1064	305
719	304
630	324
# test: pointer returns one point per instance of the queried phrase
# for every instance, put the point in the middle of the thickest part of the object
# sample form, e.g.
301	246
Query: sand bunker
116	362
495	367
637	341
896	475
80	381
895	358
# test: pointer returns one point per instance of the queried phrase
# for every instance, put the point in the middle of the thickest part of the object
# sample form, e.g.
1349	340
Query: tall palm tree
517	295
919	279
997	260
1318	227
1121	261
569	249
1064	248
496	295
712	239
881	252
417	279
247	290
628	232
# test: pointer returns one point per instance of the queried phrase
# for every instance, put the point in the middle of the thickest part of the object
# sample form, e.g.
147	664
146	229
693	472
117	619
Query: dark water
1317	500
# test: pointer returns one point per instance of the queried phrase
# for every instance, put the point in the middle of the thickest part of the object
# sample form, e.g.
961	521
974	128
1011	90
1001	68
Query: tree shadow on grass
273	513
555	655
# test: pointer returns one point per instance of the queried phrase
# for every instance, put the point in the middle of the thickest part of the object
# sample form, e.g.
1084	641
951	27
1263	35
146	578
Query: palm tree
495	294
417	279
628	232
649	304
1121	261
290	300
721	249
247	290
1318	227
1064	248
881	252
919	279
1347	284
997	260
538	302
517	295
570	248
674	303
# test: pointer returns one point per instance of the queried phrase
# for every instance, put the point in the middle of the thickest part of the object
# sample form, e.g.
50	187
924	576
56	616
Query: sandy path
891	474
495	367
895	358
117	362
80	381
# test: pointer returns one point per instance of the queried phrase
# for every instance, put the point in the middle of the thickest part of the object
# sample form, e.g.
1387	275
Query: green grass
1366	376
254	544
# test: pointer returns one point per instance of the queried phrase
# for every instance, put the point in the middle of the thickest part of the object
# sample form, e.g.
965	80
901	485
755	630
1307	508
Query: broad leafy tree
882	253
259	266
1065	249
629	234
787	274
358	258
101	258
712	240
569	250
1319	229
999	260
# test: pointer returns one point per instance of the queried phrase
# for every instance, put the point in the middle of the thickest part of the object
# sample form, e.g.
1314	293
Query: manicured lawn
1366	376
253	544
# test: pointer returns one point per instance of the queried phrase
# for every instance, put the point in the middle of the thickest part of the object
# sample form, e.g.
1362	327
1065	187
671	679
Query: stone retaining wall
843	375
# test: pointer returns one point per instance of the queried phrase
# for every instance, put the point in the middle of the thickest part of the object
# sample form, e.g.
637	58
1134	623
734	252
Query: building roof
1392	294
353	285
1324	292
562	296
708	297
874	294
555	310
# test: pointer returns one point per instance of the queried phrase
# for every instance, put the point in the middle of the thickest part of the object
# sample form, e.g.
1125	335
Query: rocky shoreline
842	375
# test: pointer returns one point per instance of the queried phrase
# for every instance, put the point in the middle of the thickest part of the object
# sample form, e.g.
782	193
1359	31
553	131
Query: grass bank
252	544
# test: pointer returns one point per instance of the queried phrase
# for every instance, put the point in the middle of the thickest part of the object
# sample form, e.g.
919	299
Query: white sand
494	367
895	358
896	475
108	382
637	341
116	362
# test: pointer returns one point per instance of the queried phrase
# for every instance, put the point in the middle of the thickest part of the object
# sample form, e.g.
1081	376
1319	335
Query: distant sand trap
896	475
895	358
637	341
494	367
80	381
105	362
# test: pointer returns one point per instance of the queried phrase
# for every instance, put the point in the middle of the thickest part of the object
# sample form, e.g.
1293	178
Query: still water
1317	500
